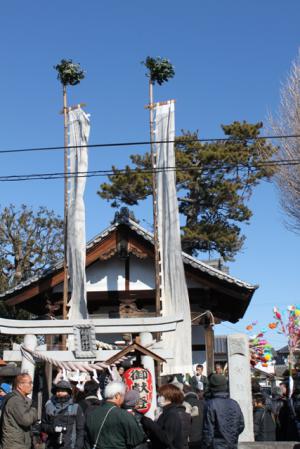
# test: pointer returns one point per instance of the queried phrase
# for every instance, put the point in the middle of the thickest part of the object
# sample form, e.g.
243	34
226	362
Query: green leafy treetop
214	182
160	69
69	73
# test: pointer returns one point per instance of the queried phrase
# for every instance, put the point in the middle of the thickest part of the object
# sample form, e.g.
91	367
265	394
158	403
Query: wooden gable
226	297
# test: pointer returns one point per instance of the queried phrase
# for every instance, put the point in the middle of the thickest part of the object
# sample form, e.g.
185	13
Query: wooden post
66	141
154	188
209	346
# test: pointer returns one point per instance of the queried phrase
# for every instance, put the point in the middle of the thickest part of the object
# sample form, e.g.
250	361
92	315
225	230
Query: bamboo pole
154	188
66	141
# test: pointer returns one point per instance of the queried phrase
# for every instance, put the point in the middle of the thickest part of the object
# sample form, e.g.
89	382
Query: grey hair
113	388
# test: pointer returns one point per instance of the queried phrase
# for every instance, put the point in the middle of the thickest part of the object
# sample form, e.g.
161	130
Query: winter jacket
292	418
264	424
186	424
16	421
67	415
120	429
166	432
89	403
196	411
223	422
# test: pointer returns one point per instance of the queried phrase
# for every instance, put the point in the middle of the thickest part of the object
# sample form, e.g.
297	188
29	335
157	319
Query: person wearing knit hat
223	418
217	382
63	420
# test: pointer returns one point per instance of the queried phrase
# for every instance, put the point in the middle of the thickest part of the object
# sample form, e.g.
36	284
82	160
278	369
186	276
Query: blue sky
230	58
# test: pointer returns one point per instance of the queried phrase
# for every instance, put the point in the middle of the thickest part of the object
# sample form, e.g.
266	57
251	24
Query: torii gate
82	353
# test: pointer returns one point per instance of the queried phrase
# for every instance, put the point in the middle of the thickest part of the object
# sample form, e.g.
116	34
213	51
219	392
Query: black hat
62	385
217	382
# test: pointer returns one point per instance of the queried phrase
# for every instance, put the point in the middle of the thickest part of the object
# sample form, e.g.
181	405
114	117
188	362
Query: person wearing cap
223	418
63	421
131	400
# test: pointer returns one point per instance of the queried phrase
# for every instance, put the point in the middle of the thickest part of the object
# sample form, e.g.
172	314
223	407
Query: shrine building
120	282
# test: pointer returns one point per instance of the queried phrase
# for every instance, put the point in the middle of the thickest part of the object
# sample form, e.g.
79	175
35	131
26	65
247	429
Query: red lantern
140	379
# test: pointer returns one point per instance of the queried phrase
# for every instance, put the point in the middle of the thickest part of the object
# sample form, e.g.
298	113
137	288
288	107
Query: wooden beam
134	347
209	348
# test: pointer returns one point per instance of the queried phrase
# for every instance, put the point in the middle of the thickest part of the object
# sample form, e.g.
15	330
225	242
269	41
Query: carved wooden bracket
110	253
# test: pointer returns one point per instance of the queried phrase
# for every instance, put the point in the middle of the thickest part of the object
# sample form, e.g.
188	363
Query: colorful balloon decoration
260	350
290	326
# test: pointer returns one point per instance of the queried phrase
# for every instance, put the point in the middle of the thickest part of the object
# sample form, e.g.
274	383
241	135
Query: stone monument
240	380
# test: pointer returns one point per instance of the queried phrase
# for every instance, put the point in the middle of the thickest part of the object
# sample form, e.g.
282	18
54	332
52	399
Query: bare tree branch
287	122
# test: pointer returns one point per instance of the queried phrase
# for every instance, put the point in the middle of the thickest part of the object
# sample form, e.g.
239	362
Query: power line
116	172
147	142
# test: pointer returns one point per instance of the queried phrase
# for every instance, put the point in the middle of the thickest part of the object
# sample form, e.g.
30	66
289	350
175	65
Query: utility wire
185	140
93	173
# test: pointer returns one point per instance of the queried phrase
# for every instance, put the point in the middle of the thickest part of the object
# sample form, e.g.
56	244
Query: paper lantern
140	379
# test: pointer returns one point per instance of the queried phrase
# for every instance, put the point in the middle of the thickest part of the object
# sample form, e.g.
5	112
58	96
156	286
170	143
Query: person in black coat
167	431
264	422
91	399
223	418
194	406
63	421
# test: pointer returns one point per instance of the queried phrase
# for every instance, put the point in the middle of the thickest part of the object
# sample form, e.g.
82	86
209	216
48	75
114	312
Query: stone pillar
148	363
28	363
240	380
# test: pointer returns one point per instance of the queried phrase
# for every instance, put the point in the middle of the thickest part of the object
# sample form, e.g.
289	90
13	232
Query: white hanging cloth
79	130
174	292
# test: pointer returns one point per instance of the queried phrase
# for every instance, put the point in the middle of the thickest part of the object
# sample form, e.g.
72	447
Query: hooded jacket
223	422
67	415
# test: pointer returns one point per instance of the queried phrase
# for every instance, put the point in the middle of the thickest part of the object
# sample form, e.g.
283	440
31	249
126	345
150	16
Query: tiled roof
147	235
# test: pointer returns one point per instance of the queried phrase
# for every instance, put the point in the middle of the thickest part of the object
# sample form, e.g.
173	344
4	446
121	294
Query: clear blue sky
230	58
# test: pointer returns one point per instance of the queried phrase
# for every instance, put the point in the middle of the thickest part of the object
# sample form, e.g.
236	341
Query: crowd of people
192	414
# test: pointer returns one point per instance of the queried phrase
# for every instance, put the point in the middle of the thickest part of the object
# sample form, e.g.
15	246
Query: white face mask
161	401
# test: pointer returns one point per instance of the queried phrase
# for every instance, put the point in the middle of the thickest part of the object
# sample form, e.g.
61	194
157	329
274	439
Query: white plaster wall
141	274
106	275
109	275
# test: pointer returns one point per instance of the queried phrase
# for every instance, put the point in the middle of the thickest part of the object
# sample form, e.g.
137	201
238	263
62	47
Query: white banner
175	298
79	129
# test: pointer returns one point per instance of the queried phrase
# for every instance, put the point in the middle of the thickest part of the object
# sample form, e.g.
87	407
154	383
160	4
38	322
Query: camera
60	430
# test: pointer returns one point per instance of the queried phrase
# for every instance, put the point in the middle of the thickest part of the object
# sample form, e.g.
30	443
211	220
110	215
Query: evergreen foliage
214	182
69	73
160	70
